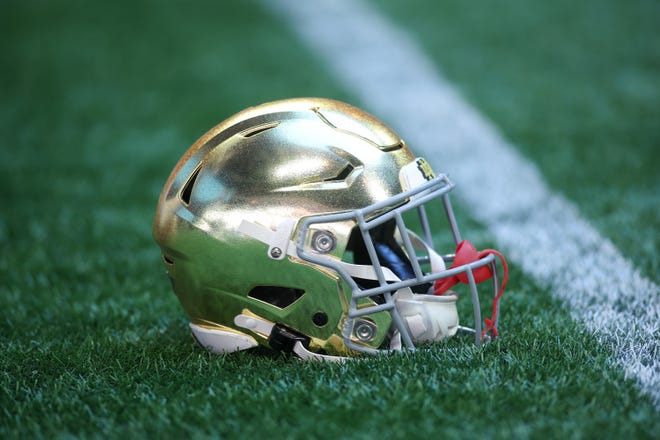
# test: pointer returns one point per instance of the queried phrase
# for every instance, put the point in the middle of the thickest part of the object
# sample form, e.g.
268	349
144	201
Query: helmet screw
365	331
324	241
276	252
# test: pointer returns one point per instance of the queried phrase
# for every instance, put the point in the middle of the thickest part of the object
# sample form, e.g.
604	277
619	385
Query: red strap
443	285
490	322
465	254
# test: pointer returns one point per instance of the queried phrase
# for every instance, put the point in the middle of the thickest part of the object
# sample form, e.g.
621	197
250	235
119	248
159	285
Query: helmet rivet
323	241
276	252
365	331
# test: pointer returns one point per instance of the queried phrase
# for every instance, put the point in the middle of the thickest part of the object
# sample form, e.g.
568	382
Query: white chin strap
428	317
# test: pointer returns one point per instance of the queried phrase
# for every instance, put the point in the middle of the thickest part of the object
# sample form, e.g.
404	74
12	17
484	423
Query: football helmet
302	225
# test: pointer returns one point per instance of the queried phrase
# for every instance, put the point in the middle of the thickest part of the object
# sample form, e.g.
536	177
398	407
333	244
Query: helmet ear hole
320	319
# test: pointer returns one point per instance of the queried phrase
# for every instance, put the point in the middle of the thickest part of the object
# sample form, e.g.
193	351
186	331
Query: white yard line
540	230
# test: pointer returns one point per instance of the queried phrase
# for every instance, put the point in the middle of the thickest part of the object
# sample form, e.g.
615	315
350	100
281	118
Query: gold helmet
285	225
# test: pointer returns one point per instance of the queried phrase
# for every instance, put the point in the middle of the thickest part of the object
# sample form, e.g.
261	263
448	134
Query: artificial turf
98	103
576	87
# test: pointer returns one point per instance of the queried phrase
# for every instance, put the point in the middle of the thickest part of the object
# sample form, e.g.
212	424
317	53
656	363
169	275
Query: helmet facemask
394	271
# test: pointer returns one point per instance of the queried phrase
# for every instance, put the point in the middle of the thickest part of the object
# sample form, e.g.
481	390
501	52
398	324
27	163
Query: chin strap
282	338
428	318
466	253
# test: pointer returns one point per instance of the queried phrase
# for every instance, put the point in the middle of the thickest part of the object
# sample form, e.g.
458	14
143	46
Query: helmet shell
271	164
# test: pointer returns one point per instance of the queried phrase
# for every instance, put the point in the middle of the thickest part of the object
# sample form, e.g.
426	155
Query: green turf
97	106
575	85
